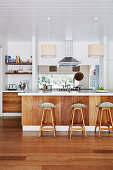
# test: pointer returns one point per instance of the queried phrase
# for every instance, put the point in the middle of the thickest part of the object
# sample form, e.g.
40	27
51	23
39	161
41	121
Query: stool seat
78	105
106	104
47	105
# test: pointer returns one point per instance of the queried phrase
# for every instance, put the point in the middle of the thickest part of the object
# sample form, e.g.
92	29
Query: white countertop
65	93
12	91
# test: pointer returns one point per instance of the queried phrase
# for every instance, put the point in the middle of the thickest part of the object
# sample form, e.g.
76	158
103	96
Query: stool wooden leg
69	128
72	122
111	118
53	123
108	129
82	130
83	123
95	128
41	123
100	121
97	120
108	118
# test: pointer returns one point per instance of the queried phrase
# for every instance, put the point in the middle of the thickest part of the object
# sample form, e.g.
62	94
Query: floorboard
25	151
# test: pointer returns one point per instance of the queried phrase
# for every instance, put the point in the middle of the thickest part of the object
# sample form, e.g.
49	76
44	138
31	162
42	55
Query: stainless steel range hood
69	61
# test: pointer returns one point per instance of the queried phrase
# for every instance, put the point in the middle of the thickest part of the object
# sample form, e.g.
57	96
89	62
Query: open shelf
17	73
18	63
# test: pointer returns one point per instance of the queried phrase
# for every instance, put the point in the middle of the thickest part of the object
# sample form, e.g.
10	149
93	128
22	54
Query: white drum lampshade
95	50
48	51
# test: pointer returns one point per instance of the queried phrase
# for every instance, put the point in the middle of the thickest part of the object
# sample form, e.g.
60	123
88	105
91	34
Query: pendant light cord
48	31
96	19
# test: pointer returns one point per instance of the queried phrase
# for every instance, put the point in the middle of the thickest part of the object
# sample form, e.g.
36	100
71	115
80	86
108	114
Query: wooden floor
25	151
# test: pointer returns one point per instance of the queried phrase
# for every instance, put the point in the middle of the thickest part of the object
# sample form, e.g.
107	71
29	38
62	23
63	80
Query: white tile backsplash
16	78
3	80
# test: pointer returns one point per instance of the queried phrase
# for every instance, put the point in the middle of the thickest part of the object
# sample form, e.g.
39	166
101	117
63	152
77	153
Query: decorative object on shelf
10	70
95	50
30	59
23	70
7	58
15	71
25	60
48	50
17	59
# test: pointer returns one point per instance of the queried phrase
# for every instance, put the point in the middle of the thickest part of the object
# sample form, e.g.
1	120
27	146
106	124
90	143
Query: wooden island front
31	112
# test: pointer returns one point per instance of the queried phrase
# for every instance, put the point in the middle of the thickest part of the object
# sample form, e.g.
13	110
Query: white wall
110	65
0	81
24	50
35	86
3	52
80	52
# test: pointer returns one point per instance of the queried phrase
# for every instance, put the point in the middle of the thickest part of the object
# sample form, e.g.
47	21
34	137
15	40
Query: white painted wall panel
80	52
24	50
3	80
110	65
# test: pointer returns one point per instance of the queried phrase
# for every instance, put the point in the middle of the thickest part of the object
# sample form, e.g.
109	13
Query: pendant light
48	50
95	50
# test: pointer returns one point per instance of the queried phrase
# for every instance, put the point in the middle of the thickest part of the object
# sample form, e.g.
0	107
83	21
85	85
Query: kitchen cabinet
11	102
32	113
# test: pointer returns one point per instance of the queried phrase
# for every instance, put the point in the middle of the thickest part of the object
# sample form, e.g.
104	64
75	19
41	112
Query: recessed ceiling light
48	19
96	19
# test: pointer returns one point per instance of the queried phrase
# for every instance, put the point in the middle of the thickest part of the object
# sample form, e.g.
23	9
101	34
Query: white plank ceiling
22	19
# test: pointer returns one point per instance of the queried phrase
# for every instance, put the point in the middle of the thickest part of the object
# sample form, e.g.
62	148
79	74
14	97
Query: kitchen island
31	112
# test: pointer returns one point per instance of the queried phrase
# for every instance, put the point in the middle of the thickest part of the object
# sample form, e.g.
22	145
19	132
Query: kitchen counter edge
64	94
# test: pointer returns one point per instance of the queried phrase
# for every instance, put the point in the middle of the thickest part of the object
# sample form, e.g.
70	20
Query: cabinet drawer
11	102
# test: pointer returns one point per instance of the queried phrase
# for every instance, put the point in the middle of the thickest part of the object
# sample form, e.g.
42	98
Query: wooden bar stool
105	106
77	106
47	106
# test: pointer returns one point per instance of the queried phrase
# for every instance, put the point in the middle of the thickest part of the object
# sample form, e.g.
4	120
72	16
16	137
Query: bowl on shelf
24	60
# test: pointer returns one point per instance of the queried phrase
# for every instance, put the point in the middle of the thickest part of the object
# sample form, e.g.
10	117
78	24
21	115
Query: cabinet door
11	102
